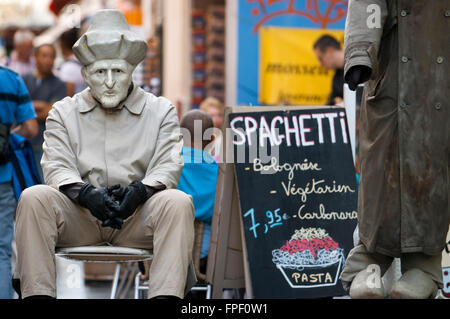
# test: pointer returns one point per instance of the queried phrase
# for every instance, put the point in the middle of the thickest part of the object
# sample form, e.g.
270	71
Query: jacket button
403	105
404	59
403	13
440	59
437	106
447	13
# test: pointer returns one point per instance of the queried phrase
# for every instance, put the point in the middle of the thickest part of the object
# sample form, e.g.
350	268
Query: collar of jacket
134	103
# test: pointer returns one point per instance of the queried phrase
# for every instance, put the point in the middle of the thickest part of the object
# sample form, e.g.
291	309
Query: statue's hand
130	197
356	75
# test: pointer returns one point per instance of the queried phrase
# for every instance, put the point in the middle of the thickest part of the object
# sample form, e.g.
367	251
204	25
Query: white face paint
109	81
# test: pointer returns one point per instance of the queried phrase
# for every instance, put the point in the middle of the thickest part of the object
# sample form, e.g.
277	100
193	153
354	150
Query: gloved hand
130	197
356	75
100	204
114	222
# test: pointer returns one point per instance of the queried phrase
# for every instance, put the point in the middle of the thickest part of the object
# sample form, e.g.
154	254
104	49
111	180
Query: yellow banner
290	73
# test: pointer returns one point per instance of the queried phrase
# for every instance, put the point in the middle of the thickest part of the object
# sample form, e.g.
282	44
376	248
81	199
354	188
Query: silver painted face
109	81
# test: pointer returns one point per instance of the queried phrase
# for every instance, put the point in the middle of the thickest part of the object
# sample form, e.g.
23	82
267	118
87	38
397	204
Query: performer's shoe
367	285
414	284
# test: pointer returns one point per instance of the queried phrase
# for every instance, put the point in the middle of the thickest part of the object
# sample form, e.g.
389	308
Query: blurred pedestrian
70	70
45	89
21	59
215	109
15	107
331	57
199	175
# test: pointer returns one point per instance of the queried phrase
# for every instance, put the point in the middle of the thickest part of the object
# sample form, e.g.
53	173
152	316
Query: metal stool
141	284
141	279
106	254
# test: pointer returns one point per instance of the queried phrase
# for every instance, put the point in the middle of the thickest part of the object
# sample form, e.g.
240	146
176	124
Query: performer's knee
180	203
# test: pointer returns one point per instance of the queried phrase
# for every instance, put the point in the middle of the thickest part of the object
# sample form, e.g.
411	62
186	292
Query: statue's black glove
100	204
356	75
130	197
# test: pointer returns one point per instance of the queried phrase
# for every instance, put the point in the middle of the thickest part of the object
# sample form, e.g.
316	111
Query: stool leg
208	292
115	282
124	280
137	283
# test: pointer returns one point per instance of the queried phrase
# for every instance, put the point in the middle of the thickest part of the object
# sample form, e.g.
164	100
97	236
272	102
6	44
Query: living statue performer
402	49
111	163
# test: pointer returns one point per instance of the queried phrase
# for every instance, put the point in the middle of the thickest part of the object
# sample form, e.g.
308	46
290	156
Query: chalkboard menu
298	197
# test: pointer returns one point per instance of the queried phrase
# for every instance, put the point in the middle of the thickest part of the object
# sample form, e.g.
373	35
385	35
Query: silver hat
109	37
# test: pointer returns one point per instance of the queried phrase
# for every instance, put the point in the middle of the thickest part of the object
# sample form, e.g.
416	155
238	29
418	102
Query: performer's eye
101	71
118	70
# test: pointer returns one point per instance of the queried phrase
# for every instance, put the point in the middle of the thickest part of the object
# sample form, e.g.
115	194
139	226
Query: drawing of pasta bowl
311	258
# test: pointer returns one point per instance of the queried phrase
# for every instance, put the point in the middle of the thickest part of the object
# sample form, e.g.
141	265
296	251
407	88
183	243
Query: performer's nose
109	80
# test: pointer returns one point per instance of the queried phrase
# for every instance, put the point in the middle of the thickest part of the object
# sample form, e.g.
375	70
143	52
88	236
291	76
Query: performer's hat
109	37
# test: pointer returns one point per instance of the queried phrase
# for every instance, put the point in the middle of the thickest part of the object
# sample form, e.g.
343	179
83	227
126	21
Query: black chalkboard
298	197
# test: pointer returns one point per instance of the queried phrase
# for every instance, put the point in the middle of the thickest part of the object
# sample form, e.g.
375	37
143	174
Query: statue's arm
166	165
59	163
363	31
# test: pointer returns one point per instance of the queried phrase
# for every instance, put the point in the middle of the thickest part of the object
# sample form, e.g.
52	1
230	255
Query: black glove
130	197
356	75
100	204
114	222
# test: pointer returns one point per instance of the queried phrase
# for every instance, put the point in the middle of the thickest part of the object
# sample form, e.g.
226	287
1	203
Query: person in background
215	109
45	89
331	57
70	70
199	175
21	59
15	107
